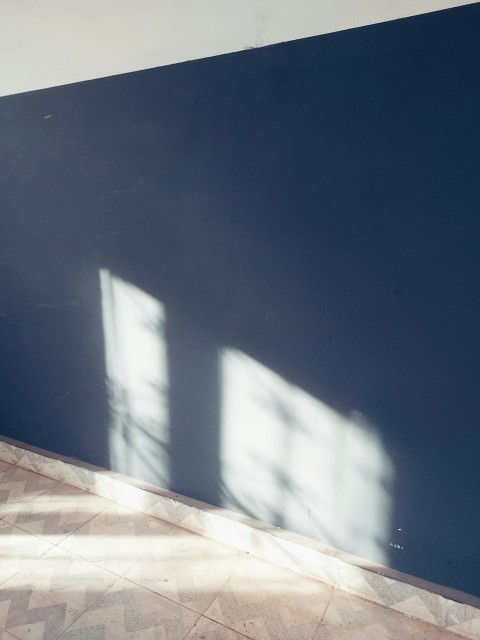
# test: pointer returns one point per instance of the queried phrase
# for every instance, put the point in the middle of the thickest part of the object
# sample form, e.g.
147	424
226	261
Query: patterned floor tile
349	617
57	512
18	549
266	602
463	619
99	483
185	567
4	466
128	612
400	596
50	467
48	591
206	629
9	453
46	597
116	537
17	486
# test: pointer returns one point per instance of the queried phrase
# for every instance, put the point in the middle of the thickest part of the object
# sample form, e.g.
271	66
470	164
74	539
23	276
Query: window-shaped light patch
289	459
137	380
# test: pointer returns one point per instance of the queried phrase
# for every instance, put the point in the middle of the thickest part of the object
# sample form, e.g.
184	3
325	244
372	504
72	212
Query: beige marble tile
17	550
265	602
99	483
46	597
134	497
165	508
186	568
129	612
350	618
189	516
425	606
58	512
39	463
4	466
116	538
397	595
463	620
4	635
9	453
291	555
25	500
206	629
17	486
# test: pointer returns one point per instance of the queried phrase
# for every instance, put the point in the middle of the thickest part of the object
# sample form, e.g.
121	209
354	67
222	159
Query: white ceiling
45	43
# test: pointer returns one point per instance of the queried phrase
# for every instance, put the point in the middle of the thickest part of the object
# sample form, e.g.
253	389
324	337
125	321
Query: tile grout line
119	576
255	538
243	635
78	528
44	539
91	604
85	611
325	612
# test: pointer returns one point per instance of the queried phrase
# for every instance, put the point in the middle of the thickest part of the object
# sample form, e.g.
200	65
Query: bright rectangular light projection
285	457
137	380
288	459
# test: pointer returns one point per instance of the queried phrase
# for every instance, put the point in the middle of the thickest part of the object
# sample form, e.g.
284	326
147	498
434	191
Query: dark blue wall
313	204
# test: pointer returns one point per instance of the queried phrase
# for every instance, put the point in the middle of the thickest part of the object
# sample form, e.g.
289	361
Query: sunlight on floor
120	574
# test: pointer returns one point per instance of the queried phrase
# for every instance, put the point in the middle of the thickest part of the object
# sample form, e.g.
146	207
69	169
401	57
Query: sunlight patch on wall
137	380
288	459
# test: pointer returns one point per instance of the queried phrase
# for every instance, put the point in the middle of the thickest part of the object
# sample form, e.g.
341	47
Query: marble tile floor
75	566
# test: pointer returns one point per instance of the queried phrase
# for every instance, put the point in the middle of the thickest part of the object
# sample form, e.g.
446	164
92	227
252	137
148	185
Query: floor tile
170	577
46	597
4	466
185	567
9	452
57	512
206	629
400	596
50	467
349	617
463	619
17	486
266	602
115	538
102	484
129	612
18	549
